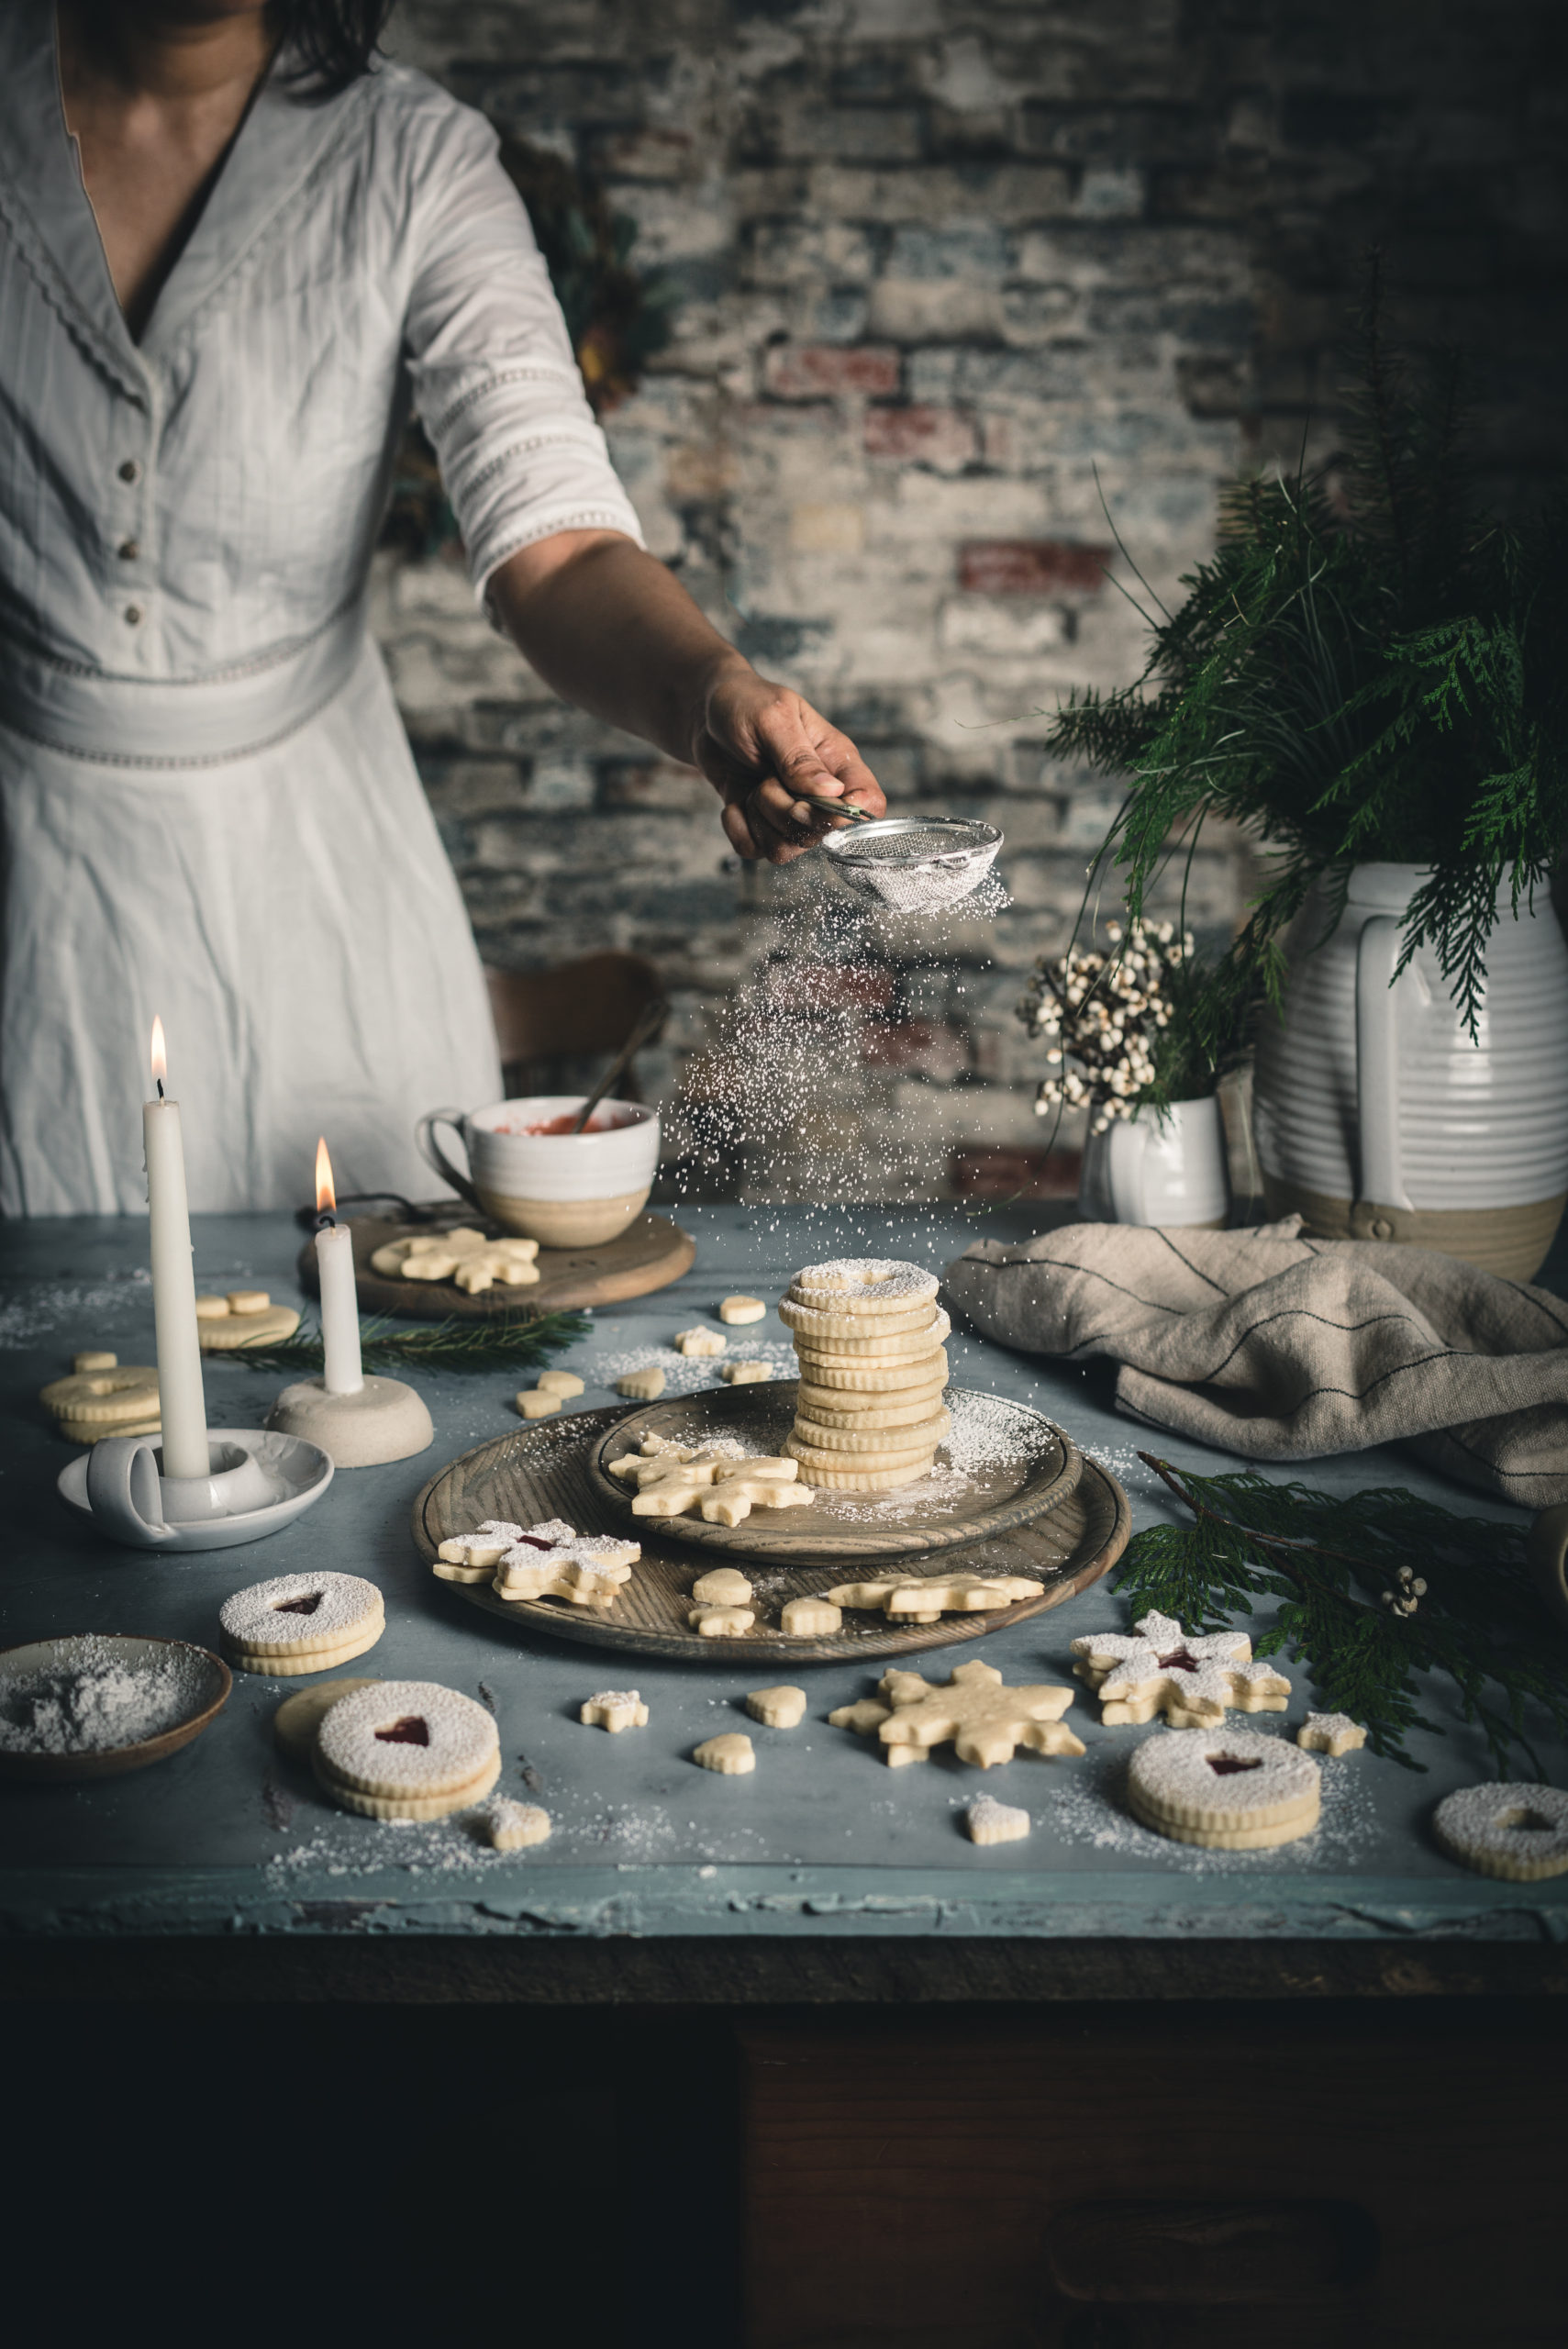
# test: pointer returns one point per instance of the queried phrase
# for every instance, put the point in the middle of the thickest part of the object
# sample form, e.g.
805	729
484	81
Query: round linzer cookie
246	1317
109	1399
298	1717
867	1286
1518	1833
406	1749
833	1325
873	1380
866	1440
301	1623
851	1353
1229	1789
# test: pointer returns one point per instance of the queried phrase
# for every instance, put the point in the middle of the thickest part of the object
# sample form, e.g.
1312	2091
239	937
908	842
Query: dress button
131	470
127	549
133	614
1380	1227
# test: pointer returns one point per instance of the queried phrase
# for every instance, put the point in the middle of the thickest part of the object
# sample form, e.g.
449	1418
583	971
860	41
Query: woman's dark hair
331	43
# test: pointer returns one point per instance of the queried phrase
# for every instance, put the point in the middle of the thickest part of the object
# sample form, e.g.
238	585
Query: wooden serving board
1027	1466
544	1472
649	1255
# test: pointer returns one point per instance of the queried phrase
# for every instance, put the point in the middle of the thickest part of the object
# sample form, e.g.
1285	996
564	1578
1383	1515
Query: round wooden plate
543	1472
649	1255
1015	1467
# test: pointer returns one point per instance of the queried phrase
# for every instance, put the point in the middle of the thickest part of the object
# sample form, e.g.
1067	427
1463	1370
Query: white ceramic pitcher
1376	1117
1163	1167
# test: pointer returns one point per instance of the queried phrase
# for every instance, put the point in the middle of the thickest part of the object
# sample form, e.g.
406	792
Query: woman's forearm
607	627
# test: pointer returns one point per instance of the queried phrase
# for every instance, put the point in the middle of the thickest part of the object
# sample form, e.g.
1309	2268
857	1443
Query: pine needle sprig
1343	1569
509	1342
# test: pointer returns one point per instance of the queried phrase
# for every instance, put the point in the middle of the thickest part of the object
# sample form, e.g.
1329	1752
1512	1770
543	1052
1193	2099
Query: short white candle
181	1404
340	1299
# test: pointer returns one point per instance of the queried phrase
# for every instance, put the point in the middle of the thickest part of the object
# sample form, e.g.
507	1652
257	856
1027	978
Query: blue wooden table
823	1862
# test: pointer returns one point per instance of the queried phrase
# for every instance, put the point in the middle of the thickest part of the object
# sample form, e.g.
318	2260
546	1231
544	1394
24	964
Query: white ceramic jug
1157	1167
1376	1117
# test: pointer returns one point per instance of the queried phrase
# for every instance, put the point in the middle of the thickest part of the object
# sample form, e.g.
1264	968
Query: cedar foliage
1365	670
1327	1559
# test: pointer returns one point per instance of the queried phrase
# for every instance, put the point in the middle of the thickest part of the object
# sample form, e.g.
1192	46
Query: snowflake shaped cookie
473	1557
1157	1668
554	1561
466	1257
915	1601
1332	1734
724	1487
985	1720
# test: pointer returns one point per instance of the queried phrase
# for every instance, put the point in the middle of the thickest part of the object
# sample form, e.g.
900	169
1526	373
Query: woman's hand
610	630
761	745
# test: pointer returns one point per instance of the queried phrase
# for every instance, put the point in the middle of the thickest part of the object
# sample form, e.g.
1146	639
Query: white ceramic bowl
563	1190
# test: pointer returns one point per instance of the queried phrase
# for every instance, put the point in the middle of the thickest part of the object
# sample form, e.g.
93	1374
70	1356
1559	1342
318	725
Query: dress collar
280	142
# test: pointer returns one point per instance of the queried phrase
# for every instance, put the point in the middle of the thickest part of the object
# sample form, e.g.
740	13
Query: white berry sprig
1100	1015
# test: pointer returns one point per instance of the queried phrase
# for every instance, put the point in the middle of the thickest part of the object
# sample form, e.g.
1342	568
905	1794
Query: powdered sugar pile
686	1374
98	1702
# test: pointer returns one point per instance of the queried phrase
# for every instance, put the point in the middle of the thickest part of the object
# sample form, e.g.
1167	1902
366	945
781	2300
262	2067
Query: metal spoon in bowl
653	1017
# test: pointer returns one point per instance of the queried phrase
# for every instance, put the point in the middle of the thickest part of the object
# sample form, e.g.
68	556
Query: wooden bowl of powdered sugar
94	1704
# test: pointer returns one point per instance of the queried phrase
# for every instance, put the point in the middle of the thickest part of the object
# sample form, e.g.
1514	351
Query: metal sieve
911	863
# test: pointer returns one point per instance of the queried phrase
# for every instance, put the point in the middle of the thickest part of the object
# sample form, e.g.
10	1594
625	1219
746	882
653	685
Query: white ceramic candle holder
382	1419
259	1481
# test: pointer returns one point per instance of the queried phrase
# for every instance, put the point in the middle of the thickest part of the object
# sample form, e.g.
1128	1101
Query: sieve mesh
911	863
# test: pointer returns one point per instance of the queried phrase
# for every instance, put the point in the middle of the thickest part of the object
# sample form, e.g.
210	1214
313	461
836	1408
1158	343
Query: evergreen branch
509	1342
1448	1594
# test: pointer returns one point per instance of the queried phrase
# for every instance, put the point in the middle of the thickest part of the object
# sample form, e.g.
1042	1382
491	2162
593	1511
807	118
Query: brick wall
951	274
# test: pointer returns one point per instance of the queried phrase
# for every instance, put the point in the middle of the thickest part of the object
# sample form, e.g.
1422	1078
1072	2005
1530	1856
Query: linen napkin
1276	1347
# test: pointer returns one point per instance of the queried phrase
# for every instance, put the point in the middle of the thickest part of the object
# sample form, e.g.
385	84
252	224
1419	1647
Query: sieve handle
832	807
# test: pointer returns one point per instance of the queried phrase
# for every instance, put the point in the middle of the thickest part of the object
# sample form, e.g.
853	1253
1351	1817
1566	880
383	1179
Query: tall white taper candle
341	1374
181	1404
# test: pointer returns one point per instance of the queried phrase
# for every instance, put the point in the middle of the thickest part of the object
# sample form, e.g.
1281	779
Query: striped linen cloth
1277	1347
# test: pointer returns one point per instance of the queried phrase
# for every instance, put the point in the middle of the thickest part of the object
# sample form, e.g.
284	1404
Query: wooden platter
1025	1466
544	1472
649	1255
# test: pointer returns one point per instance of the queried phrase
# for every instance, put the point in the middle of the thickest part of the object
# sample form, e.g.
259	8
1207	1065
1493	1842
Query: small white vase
1376	1117
1158	1167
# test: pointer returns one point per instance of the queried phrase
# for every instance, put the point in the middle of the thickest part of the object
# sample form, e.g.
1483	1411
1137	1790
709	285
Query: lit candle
340	1299
181	1404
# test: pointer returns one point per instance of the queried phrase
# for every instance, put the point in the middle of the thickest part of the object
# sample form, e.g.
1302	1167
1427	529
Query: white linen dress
209	808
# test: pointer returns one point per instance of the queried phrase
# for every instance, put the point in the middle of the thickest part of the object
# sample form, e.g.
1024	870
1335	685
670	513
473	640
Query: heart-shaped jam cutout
1225	1766
412	1730
307	1604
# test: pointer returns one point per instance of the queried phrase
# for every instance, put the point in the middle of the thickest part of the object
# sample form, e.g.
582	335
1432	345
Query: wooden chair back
550	1022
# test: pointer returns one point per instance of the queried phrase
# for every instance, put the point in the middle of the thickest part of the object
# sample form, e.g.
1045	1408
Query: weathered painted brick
825	371
1031	567
950	272
922	436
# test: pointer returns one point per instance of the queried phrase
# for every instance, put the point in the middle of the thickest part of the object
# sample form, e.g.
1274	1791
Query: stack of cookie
867	1333
406	1749
104	1397
299	1624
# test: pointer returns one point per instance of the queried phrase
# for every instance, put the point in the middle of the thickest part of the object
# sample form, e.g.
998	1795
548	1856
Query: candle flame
326	1195
160	1058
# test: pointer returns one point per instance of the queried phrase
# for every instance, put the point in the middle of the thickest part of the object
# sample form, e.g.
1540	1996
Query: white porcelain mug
1158	1167
563	1190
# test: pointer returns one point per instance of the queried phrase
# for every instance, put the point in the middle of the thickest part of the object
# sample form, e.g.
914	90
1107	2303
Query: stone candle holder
382	1419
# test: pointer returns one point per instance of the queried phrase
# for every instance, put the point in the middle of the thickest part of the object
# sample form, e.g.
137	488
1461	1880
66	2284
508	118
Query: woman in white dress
235	245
